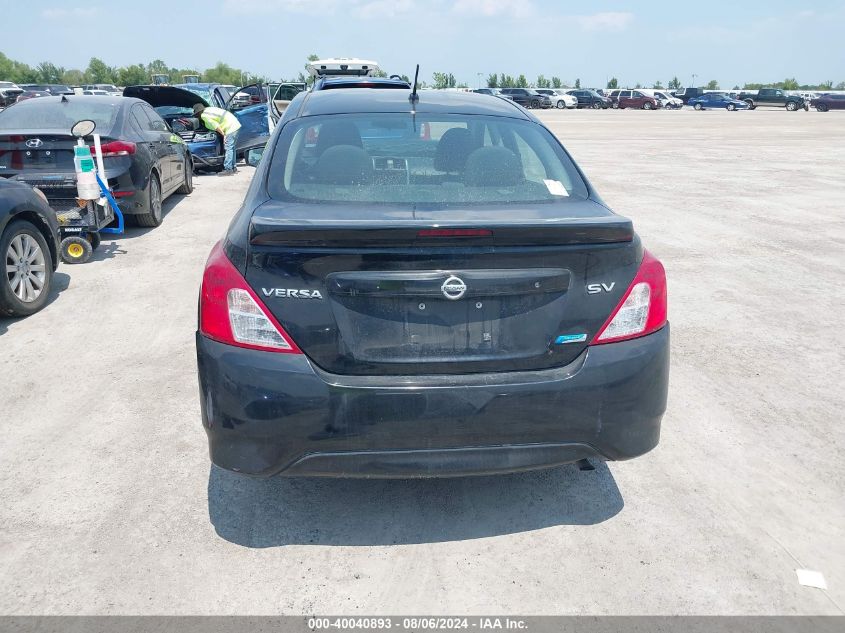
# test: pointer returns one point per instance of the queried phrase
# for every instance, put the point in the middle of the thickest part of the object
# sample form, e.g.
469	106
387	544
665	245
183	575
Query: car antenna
64	99
414	96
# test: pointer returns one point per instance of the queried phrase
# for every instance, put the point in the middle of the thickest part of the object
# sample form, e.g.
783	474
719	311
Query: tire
153	215
535	105
698	106
821	108
731	107
75	250
94	239
615	105
596	105
188	185
750	103
647	106
19	294
561	104
791	106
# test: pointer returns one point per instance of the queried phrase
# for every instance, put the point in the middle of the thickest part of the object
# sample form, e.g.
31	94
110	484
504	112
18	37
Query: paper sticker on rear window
556	188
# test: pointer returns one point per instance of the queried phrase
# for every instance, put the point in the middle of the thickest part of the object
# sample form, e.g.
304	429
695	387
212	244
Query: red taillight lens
643	307
115	148
231	313
455	233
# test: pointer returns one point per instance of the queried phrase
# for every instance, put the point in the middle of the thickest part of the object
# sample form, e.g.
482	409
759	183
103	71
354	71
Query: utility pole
479	79
693	80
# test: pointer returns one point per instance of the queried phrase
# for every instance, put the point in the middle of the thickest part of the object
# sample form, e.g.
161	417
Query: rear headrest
338	133
454	148
344	165
493	166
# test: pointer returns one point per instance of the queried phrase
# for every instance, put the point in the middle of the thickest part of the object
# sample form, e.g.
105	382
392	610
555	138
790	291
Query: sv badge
594	289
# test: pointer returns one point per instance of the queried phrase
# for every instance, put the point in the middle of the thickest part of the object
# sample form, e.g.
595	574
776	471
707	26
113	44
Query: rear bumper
267	414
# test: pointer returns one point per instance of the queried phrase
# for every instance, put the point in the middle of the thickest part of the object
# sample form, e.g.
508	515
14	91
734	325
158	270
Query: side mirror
253	156
82	128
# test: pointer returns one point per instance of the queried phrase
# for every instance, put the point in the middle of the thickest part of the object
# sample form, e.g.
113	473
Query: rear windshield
51	114
427	159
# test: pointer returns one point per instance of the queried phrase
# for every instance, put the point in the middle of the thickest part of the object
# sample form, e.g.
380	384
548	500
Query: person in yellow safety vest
226	125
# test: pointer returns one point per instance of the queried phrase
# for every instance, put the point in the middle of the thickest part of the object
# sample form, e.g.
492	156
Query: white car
666	99
559	97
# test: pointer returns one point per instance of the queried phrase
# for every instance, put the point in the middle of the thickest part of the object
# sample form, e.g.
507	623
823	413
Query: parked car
175	104
773	98
590	99
144	161
666	100
685	94
711	101
559	98
52	89
110	89
29	239
829	102
528	97
96	93
9	92
362	319
32	94
633	99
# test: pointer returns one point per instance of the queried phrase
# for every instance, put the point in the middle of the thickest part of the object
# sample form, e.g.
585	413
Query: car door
255	129
638	99
157	142
172	148
625	99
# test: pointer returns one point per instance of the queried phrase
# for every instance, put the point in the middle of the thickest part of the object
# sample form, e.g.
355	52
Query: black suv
423	288
527	97
591	99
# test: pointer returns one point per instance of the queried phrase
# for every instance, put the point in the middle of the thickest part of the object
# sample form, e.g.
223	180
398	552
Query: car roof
349	101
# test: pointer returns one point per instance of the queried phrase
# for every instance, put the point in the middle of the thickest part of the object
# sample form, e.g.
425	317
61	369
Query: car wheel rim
26	269
155	199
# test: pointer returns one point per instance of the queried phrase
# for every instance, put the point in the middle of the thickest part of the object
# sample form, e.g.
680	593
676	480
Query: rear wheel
821	107
791	106
698	106
731	107
188	184
561	104
596	105
75	250
152	217
750	103
27	270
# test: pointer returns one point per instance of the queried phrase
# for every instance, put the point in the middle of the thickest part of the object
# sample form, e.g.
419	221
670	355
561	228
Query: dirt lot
109	504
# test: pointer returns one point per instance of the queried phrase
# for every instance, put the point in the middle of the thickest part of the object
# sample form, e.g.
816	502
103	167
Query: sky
637	42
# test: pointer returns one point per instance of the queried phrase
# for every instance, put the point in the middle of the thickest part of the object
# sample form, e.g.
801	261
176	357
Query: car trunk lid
431	291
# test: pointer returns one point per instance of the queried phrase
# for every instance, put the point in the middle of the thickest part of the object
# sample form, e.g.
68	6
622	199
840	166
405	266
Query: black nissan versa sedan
430	288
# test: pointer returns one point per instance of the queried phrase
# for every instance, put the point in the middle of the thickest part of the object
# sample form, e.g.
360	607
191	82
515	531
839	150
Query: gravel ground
109	505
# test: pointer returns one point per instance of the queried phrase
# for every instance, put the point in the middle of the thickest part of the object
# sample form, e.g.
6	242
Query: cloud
384	8
492	8
63	14
358	8
613	21
315	7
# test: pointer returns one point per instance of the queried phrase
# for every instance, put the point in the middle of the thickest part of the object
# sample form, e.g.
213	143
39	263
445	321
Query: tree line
98	72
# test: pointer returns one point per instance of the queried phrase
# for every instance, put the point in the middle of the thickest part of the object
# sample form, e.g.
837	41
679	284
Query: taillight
115	148
231	313
642	309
